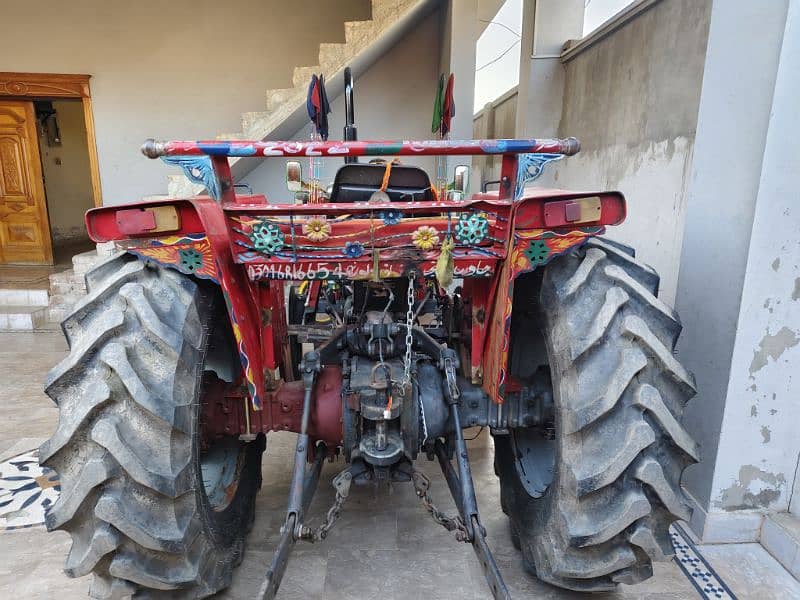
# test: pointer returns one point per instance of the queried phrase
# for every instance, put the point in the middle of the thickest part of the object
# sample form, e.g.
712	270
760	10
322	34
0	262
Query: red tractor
376	319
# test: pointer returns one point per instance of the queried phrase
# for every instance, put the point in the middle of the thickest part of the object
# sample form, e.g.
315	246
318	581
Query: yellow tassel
376	264
444	264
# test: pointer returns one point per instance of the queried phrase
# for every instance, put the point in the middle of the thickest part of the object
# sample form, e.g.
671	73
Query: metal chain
342	484
409	337
422	486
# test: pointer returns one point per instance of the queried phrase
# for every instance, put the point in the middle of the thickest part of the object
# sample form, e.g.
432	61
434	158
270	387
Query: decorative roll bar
241	148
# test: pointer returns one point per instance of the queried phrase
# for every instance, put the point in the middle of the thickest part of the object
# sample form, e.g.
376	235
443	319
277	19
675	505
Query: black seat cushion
357	182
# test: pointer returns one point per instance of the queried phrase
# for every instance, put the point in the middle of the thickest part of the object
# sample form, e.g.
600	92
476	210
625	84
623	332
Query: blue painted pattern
530	167
197	169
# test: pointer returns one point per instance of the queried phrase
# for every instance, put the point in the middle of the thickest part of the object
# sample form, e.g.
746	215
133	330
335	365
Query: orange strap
387	174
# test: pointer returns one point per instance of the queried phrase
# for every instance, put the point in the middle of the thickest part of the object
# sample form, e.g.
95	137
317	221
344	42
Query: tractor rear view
376	318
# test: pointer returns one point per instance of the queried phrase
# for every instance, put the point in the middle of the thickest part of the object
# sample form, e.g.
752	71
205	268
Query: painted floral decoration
191	260
317	229
425	237
353	249
390	216
537	252
267	237
471	228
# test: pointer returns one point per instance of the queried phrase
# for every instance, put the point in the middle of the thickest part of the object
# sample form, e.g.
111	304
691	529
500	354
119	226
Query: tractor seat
357	182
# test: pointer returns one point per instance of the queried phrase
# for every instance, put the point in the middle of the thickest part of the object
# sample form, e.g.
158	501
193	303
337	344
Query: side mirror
460	182
294	176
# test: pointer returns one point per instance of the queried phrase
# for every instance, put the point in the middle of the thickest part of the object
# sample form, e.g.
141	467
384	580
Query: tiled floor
385	545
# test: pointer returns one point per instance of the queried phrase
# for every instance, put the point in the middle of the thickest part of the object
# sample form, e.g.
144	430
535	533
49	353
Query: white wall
632	100
393	100
739	287
180	69
732	126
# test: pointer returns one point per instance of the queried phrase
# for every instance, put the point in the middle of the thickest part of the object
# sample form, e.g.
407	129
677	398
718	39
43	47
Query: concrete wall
184	69
632	100
393	100
496	120
66	172
737	274
546	26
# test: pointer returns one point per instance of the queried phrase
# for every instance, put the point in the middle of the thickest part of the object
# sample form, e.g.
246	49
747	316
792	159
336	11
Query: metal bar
258	149
272	580
222	172
450	475
508	175
277	568
468	500
478	535
303	484
490	569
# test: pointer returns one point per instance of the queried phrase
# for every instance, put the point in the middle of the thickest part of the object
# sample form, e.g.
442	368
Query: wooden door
24	229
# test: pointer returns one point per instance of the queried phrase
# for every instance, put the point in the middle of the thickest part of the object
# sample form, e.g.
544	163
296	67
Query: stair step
277	97
180	187
23	297
68	287
68	299
83	258
231	136
287	103
22	318
56	314
302	75
356	32
106	249
82	263
385	12
254	121
780	536
333	57
67	277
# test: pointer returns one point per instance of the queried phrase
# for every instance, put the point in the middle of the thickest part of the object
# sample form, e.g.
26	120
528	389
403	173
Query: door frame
44	86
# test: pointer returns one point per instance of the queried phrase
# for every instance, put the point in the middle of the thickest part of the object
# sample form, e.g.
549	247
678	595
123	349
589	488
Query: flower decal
267	237
537	252
425	237
353	249
191	260
471	228
317	229
390	216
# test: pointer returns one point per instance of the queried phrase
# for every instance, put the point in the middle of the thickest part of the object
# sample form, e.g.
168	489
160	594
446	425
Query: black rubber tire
620	450
127	445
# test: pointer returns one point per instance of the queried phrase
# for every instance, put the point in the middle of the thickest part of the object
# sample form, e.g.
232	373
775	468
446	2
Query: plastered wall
180	69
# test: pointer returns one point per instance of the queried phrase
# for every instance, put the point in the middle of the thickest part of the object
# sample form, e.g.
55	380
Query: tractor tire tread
122	449
620	393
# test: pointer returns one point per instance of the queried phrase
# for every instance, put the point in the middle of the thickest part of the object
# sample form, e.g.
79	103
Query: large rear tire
151	506
590	501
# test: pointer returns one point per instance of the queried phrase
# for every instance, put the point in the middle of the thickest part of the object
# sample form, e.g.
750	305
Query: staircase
284	114
23	309
67	287
365	42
